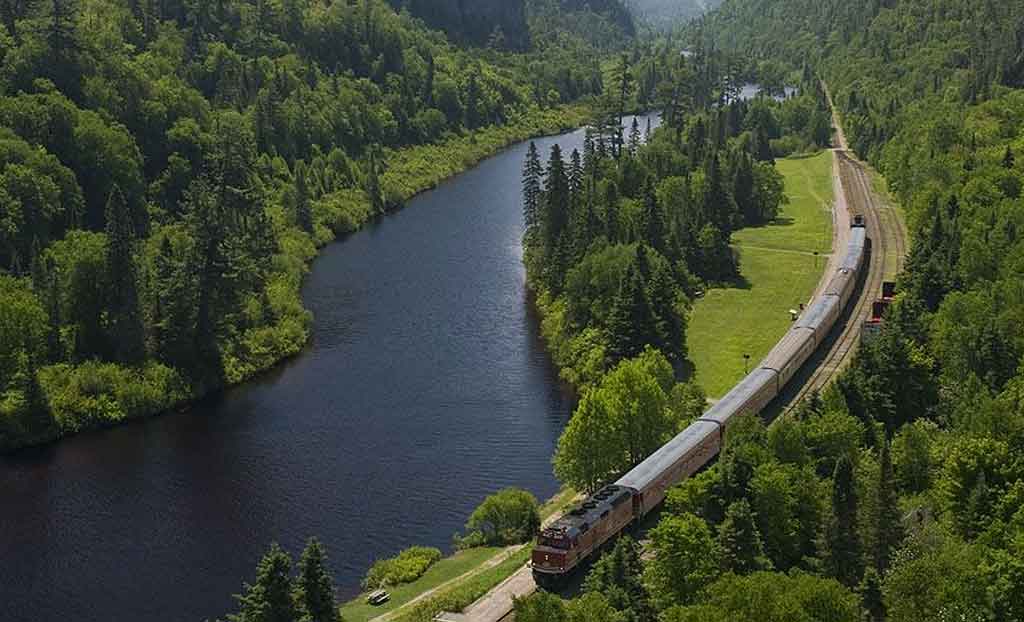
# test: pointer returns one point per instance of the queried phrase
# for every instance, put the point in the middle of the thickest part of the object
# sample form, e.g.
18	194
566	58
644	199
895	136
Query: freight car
572	539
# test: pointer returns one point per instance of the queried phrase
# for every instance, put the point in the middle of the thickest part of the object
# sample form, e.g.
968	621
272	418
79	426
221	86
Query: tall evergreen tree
314	591
555	217
270	598
618	575
303	206
739	541
871	596
634	138
126	331
842	541
888	527
652	224
631	323
533	191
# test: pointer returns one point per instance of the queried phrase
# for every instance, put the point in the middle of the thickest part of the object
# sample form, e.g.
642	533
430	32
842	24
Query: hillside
168	171
664	14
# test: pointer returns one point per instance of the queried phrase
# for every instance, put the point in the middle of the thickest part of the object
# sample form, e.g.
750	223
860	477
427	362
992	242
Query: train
571	540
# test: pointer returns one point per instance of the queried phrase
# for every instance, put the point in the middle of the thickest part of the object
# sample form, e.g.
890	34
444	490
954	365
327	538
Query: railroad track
886	258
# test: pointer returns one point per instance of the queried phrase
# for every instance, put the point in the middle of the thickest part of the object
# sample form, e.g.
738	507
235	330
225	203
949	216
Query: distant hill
664	13
480	22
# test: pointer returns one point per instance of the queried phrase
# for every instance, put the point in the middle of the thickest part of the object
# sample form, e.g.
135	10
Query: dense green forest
898	494
168	170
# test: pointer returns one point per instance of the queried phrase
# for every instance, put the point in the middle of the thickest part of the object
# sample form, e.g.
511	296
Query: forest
169	169
898	493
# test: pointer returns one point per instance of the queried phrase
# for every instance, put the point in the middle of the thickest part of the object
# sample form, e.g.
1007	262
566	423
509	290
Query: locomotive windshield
555	543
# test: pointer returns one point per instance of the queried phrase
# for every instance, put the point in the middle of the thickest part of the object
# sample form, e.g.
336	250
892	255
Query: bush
406	567
511	516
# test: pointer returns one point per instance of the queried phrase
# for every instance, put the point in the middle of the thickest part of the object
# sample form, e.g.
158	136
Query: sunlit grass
779	272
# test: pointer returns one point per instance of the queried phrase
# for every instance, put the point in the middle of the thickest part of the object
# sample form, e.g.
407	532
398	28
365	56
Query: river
425	388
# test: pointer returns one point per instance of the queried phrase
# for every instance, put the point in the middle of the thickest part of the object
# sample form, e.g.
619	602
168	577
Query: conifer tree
555	217
303	207
631	324
739	541
270	598
533	176
634	137
127	335
652	225
373	188
314	591
842	542
575	173
871	596
1008	158
888	526
618	575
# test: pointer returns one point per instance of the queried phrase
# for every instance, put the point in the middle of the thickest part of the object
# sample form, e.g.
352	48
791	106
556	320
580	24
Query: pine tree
533	177
575	173
303	207
652	225
739	541
634	138
270	598
647	132
871	596
1008	158
373	188
555	217
888	526
625	84
611	219
631	323
842	542
127	334
618	575
314	591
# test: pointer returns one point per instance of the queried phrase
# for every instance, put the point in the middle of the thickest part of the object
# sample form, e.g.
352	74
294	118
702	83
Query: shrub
406	567
511	516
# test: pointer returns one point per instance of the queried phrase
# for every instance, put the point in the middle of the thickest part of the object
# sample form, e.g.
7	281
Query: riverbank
780	266
454	582
94	395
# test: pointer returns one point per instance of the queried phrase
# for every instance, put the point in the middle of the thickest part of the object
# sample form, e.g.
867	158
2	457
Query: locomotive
572	539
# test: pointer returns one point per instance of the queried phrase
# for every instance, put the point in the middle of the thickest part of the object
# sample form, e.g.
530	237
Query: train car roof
792	342
855	249
814	316
750	386
581	518
645	473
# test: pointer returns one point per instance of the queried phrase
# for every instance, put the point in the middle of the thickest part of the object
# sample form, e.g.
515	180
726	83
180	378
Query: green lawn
779	272
358	610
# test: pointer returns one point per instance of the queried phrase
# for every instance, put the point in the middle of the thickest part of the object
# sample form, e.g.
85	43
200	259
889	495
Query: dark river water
425	388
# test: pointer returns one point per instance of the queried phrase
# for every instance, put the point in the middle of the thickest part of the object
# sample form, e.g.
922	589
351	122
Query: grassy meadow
779	271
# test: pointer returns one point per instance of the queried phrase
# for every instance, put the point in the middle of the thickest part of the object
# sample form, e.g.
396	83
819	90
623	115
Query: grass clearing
779	272
358	610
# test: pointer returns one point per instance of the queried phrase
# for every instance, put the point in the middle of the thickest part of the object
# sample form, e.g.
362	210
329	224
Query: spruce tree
631	323
555	217
618	575
634	138
127	334
314	591
575	173
652	225
1008	158
888	527
871	596
533	177
303	207
842	541
739	541
270	598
